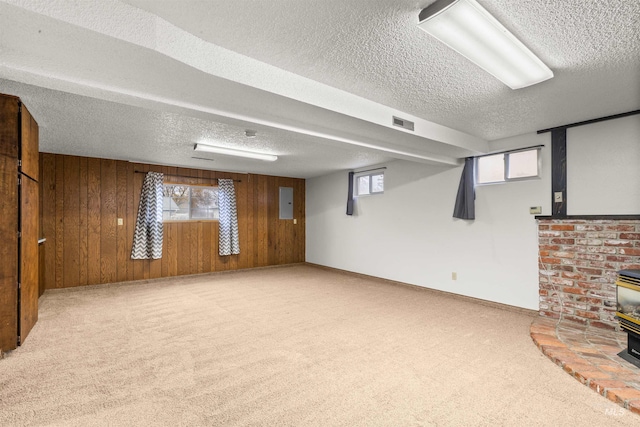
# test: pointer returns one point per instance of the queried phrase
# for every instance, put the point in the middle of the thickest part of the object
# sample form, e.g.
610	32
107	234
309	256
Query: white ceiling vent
402	123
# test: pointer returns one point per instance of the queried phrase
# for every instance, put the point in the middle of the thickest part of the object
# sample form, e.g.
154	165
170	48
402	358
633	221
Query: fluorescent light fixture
470	30
234	152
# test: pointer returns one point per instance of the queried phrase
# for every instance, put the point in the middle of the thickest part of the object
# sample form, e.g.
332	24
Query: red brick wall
579	259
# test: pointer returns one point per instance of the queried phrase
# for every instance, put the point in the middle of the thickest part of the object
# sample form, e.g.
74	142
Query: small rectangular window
508	166
523	164
189	202
490	169
377	183
370	183
363	185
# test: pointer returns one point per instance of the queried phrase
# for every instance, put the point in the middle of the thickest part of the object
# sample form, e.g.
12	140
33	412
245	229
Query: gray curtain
228	240
350	195
147	237
465	201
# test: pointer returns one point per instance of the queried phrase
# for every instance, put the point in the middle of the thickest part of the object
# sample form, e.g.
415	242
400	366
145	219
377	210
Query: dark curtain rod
588	122
187	176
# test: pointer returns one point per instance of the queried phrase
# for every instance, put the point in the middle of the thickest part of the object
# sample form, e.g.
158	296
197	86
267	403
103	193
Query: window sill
369	195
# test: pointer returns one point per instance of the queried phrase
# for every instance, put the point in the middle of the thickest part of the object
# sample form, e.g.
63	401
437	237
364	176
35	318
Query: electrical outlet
454	276
295	221
120	221
557	197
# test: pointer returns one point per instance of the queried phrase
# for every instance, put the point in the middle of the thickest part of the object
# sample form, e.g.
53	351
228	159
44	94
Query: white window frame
190	186
370	174
506	178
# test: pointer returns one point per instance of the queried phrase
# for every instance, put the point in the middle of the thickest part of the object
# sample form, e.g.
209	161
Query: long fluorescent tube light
470	30
234	152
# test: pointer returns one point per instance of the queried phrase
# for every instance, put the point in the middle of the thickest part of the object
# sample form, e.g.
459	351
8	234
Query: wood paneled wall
82	199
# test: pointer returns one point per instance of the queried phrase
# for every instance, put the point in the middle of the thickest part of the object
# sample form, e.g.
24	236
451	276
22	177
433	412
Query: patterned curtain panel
229	243
147	238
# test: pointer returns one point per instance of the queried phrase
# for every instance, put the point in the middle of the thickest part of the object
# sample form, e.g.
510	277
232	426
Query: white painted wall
408	233
603	167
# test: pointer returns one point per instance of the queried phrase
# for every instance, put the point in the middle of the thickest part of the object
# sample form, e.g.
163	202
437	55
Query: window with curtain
190	202
369	183
508	166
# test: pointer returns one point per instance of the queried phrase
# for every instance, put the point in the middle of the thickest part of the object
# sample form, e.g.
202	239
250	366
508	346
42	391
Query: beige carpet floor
287	346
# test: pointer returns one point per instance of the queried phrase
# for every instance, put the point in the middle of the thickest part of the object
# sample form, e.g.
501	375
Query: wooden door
8	253
28	308
9	134
28	291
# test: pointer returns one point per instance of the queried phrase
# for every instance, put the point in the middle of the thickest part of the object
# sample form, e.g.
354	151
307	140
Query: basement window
508	166
189	203
369	183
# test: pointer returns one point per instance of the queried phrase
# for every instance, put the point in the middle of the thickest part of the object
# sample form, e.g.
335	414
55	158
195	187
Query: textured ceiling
319	80
373	48
111	130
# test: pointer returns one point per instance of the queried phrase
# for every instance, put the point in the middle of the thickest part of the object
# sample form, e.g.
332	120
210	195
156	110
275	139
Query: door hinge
19	285
19	234
19	163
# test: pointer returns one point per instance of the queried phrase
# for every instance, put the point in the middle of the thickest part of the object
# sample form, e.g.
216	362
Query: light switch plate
557	197
535	210
120	221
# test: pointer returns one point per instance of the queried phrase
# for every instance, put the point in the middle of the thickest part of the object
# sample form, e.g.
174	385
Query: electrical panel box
286	202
